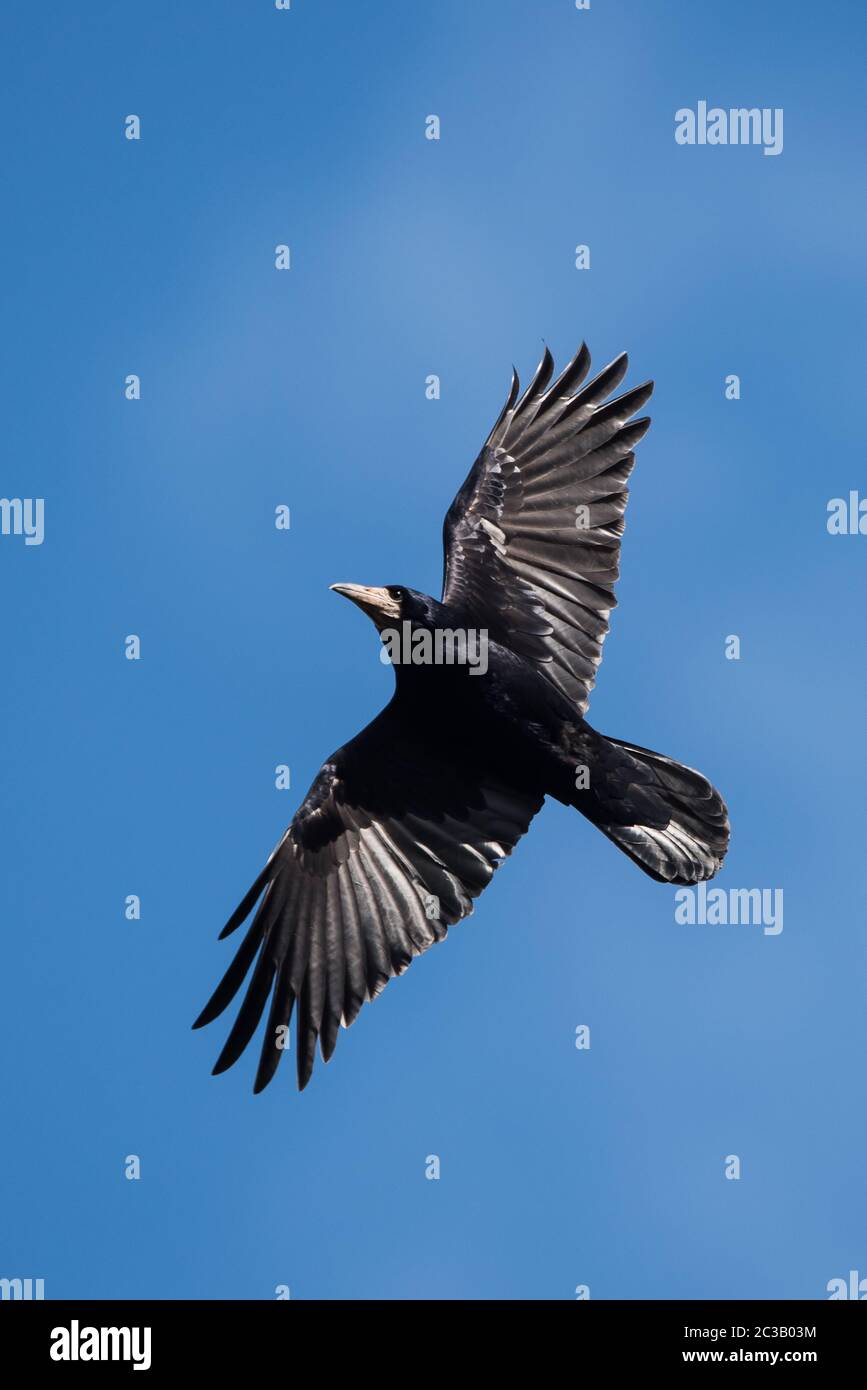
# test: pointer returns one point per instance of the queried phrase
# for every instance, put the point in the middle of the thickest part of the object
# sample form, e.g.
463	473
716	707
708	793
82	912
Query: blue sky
559	1167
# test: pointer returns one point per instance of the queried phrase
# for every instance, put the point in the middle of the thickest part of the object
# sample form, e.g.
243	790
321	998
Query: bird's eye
397	592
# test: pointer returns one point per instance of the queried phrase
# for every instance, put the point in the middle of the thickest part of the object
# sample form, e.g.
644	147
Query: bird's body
405	824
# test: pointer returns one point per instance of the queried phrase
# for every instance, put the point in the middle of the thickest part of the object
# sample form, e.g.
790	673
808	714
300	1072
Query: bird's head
419	633
392	605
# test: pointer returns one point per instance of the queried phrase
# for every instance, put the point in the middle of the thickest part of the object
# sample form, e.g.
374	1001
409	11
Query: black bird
404	826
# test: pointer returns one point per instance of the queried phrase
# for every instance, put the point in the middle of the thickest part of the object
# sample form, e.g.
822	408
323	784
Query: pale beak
378	604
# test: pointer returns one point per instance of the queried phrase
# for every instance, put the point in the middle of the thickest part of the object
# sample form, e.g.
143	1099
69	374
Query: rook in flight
404	826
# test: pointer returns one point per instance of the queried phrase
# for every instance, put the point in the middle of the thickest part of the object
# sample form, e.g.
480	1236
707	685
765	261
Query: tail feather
667	817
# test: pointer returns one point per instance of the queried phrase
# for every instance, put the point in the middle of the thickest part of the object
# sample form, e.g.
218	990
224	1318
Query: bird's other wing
532	540
389	848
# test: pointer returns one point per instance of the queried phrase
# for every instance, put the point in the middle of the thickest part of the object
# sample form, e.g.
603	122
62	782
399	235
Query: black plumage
405	825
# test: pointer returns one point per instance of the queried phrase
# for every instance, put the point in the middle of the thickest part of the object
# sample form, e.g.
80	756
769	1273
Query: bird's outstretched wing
388	849
532	540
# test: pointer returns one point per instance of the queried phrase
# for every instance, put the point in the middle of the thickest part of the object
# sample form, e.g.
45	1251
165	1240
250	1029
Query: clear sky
559	1167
